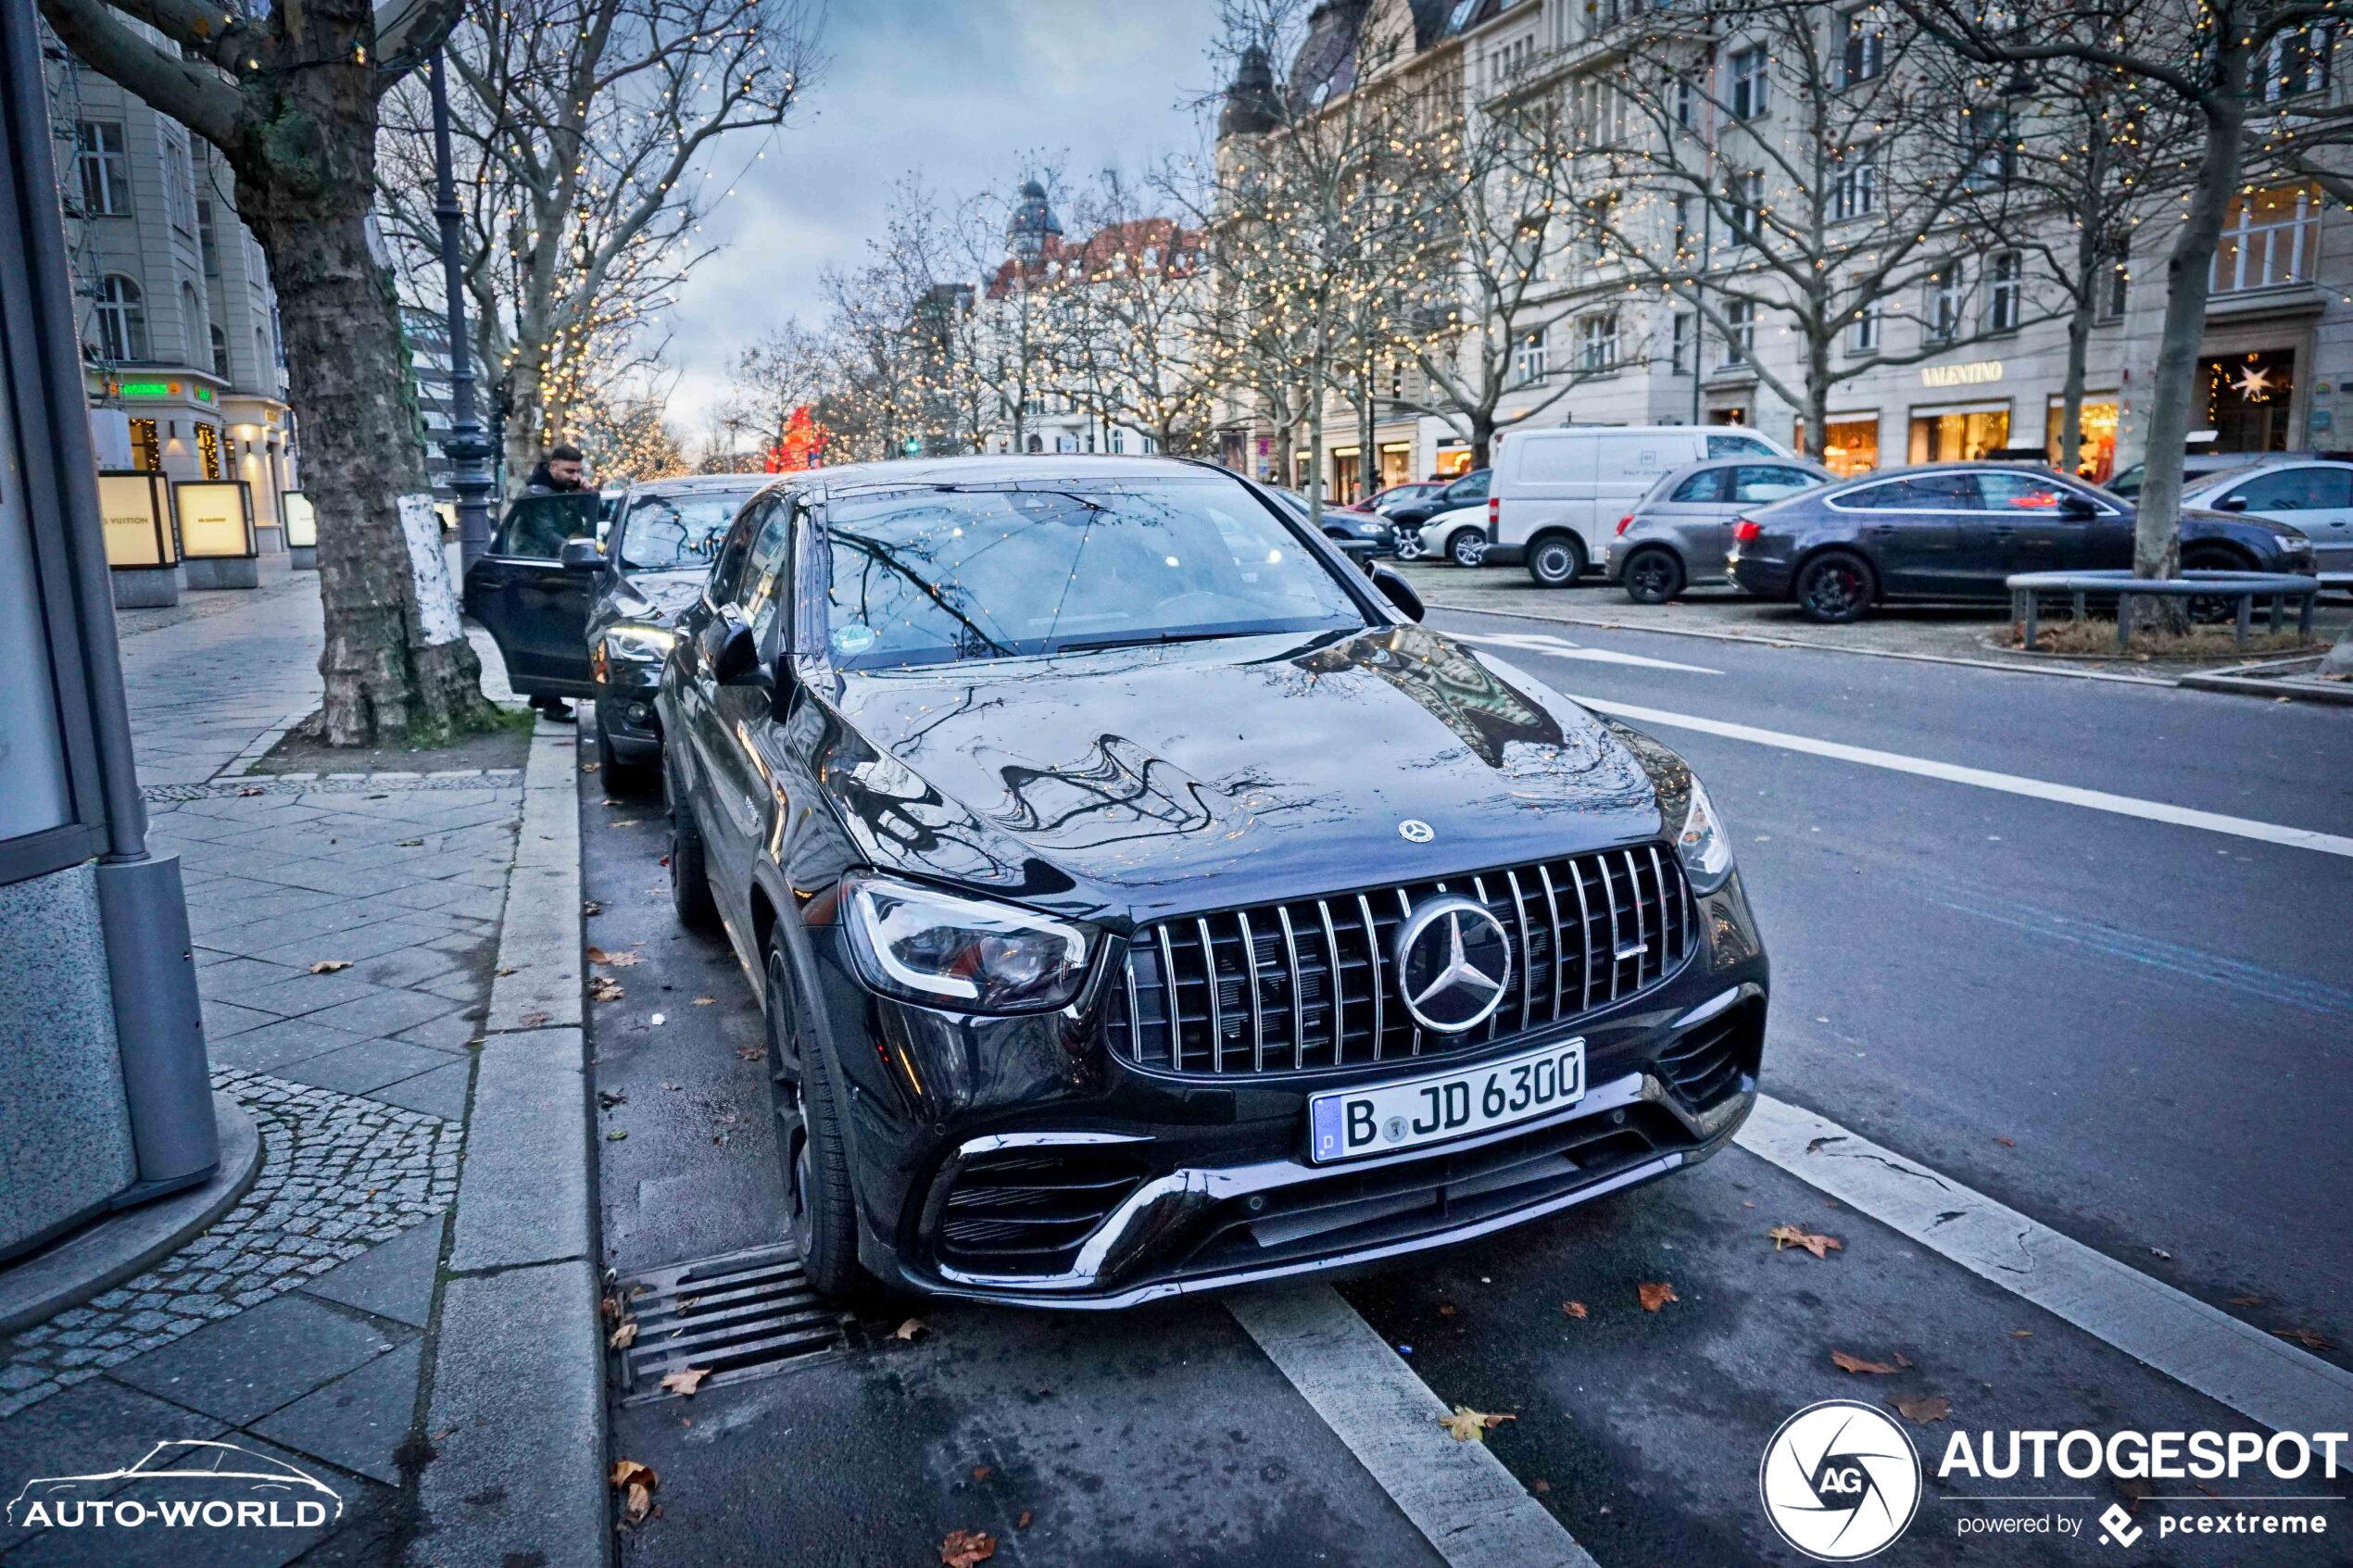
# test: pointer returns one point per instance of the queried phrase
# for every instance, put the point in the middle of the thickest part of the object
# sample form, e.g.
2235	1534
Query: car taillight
1743	529
1494	510
1625	523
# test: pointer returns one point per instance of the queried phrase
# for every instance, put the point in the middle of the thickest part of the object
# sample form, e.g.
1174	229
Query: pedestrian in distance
558	474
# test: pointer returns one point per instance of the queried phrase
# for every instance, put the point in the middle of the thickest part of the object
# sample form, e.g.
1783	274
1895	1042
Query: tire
623	776
1653	576
821	1206
1835	588
1557	560
1409	544
2212	611
1466	546
689	877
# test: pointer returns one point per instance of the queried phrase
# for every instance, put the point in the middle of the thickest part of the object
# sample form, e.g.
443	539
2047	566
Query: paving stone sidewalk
346	929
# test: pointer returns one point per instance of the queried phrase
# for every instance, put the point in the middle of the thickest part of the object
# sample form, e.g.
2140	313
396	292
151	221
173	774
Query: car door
735	776
2037	523
2314	497
534	610
1909	529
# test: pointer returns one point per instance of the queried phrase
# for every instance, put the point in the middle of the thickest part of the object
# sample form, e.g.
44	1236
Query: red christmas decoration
803	446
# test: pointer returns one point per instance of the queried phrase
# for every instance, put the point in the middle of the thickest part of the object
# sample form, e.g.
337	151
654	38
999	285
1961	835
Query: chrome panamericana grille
1313	982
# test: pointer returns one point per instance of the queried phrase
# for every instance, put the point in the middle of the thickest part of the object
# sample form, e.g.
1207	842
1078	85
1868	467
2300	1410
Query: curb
1763	641
2244	685
516	1405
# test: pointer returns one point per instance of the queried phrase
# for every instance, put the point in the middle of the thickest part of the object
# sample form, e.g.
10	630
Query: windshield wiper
1143	639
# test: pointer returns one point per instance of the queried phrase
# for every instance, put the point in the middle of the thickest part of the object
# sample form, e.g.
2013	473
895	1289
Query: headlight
637	645
1703	846
976	957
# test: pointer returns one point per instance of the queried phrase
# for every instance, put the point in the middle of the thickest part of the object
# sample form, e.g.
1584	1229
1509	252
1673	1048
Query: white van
1558	494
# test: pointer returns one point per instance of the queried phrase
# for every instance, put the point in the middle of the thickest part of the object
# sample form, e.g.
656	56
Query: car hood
655	595
2255	521
1220	773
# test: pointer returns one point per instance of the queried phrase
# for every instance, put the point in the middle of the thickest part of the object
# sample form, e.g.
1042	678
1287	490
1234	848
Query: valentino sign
1975	373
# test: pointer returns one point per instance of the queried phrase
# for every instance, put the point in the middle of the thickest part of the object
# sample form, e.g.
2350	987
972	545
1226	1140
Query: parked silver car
2314	495
1680	532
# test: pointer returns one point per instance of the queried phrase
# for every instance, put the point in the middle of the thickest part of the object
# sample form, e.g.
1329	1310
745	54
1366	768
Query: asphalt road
2133	1029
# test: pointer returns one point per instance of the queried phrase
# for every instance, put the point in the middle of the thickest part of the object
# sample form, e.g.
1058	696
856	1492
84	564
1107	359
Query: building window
1597	342
1748	201
1528	358
122	320
204	237
1680	345
1751	96
1946	296
1856	193
1740	337
1862	330
2269	239
1686	100
1118	442
179	177
191	333
106	172
2300	62
1992	156
220	354
2115	286
1866	54
2005	287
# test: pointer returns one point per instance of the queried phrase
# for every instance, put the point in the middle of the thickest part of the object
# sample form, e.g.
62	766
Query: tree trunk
1482	439
2157	534
2079	353
523	433
388	680
1817	413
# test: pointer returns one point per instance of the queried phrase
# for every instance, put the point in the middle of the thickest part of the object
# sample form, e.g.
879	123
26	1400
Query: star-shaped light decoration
2254	383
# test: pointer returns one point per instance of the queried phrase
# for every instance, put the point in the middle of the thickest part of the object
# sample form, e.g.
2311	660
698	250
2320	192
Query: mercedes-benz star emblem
1413	829
1453	962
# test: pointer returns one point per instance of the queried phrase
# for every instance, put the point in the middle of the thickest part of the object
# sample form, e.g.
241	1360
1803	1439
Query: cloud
957	91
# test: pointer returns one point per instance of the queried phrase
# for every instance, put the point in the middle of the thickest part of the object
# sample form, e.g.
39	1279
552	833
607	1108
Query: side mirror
580	555
1397	591
735	657
2230	503
2074	505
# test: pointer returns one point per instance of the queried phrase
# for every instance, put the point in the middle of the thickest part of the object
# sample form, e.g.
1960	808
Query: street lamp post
466	448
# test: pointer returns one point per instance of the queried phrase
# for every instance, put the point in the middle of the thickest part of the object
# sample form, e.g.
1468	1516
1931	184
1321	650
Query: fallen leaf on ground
328	966
1446	1309
1468	1425
1925	1409
2021	1334
2309	1338
409	844
912	1328
610	1306
533	1019
1815	1145
2005	1143
629	1472
704	1001
1573	1308
503	972
1023	1522
983	1472
607	1098
623	822
2160	1252
1845	1362
623	960
1654	1294
617	1135
965	1547
625	1335
637	1502
604	988
2244	1302
611	801
1790	1235
597	955
1541	1487
253	790
685	1380
590	906
588	767
752	1053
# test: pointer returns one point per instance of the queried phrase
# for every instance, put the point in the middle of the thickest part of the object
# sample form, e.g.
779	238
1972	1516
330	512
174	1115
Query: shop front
2095	452
1851	446
1958	432
2249	397
1453	459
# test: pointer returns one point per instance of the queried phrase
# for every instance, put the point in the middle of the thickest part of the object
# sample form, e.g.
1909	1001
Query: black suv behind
1141	902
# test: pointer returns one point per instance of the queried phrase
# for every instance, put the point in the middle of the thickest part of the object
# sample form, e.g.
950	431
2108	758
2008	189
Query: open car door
534	608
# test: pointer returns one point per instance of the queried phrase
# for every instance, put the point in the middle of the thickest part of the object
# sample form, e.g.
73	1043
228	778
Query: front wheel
1834	589
1555	561
819	1201
1654	576
1409	543
1466	546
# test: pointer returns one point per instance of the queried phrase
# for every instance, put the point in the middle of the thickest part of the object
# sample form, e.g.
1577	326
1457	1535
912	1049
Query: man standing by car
559	472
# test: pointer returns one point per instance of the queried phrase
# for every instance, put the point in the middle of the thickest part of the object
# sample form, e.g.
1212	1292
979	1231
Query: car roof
690	484
1743	460
1010	467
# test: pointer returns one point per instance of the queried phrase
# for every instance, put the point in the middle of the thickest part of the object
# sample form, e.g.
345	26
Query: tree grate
739	1316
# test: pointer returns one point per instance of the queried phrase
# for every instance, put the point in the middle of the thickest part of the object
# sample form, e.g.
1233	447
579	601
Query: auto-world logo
1841	1481
181	1486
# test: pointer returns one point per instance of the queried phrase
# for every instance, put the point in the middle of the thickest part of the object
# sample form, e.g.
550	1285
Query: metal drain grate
737	1317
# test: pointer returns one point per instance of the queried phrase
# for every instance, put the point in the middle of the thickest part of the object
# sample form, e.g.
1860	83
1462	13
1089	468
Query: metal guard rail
2027	589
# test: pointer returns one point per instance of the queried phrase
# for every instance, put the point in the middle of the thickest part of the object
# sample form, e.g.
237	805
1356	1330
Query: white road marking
1560	647
2255	1374
2009	783
1457	1494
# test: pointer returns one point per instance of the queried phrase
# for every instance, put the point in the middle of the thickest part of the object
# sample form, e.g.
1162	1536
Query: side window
1470	488
1769	482
1705	486
536	526
1737	446
727	571
1924	492
2296	490
764	585
2018	493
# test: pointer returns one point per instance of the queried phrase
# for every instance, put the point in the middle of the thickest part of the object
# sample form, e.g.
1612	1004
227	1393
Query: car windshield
678	533
940	573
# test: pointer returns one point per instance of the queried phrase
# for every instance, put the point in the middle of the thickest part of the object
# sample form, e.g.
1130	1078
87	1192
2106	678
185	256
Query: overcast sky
962	92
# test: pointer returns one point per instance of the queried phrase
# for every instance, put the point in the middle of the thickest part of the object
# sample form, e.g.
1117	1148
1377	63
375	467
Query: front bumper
625	708
973	1138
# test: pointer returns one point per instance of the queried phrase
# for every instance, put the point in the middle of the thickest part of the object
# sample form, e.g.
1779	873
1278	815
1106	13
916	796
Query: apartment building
178	320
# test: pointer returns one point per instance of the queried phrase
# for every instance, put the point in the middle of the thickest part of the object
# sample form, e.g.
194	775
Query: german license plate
1350	1123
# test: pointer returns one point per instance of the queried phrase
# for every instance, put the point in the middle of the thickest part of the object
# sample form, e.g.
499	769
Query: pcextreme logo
184	1484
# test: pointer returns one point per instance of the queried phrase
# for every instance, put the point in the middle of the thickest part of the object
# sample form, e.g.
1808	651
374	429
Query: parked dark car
1141	902
1464	490
1405	495
1366	534
1956	531
1680	534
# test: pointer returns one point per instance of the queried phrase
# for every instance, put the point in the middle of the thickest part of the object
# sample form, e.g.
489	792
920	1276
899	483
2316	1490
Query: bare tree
289	95
1136	347
585	132
2243	72
1774	163
624	429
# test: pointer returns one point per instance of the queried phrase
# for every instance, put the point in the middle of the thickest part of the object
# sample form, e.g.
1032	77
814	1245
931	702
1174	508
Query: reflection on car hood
1222	772
658	595
2255	520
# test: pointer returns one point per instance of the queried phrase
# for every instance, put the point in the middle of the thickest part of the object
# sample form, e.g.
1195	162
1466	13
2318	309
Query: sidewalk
346	932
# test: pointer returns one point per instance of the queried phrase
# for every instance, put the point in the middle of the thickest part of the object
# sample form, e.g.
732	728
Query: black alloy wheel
1556	561
1834	589
818	1197
1654	575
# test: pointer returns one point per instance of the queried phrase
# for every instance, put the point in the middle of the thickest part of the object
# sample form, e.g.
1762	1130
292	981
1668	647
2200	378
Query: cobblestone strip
340	1173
